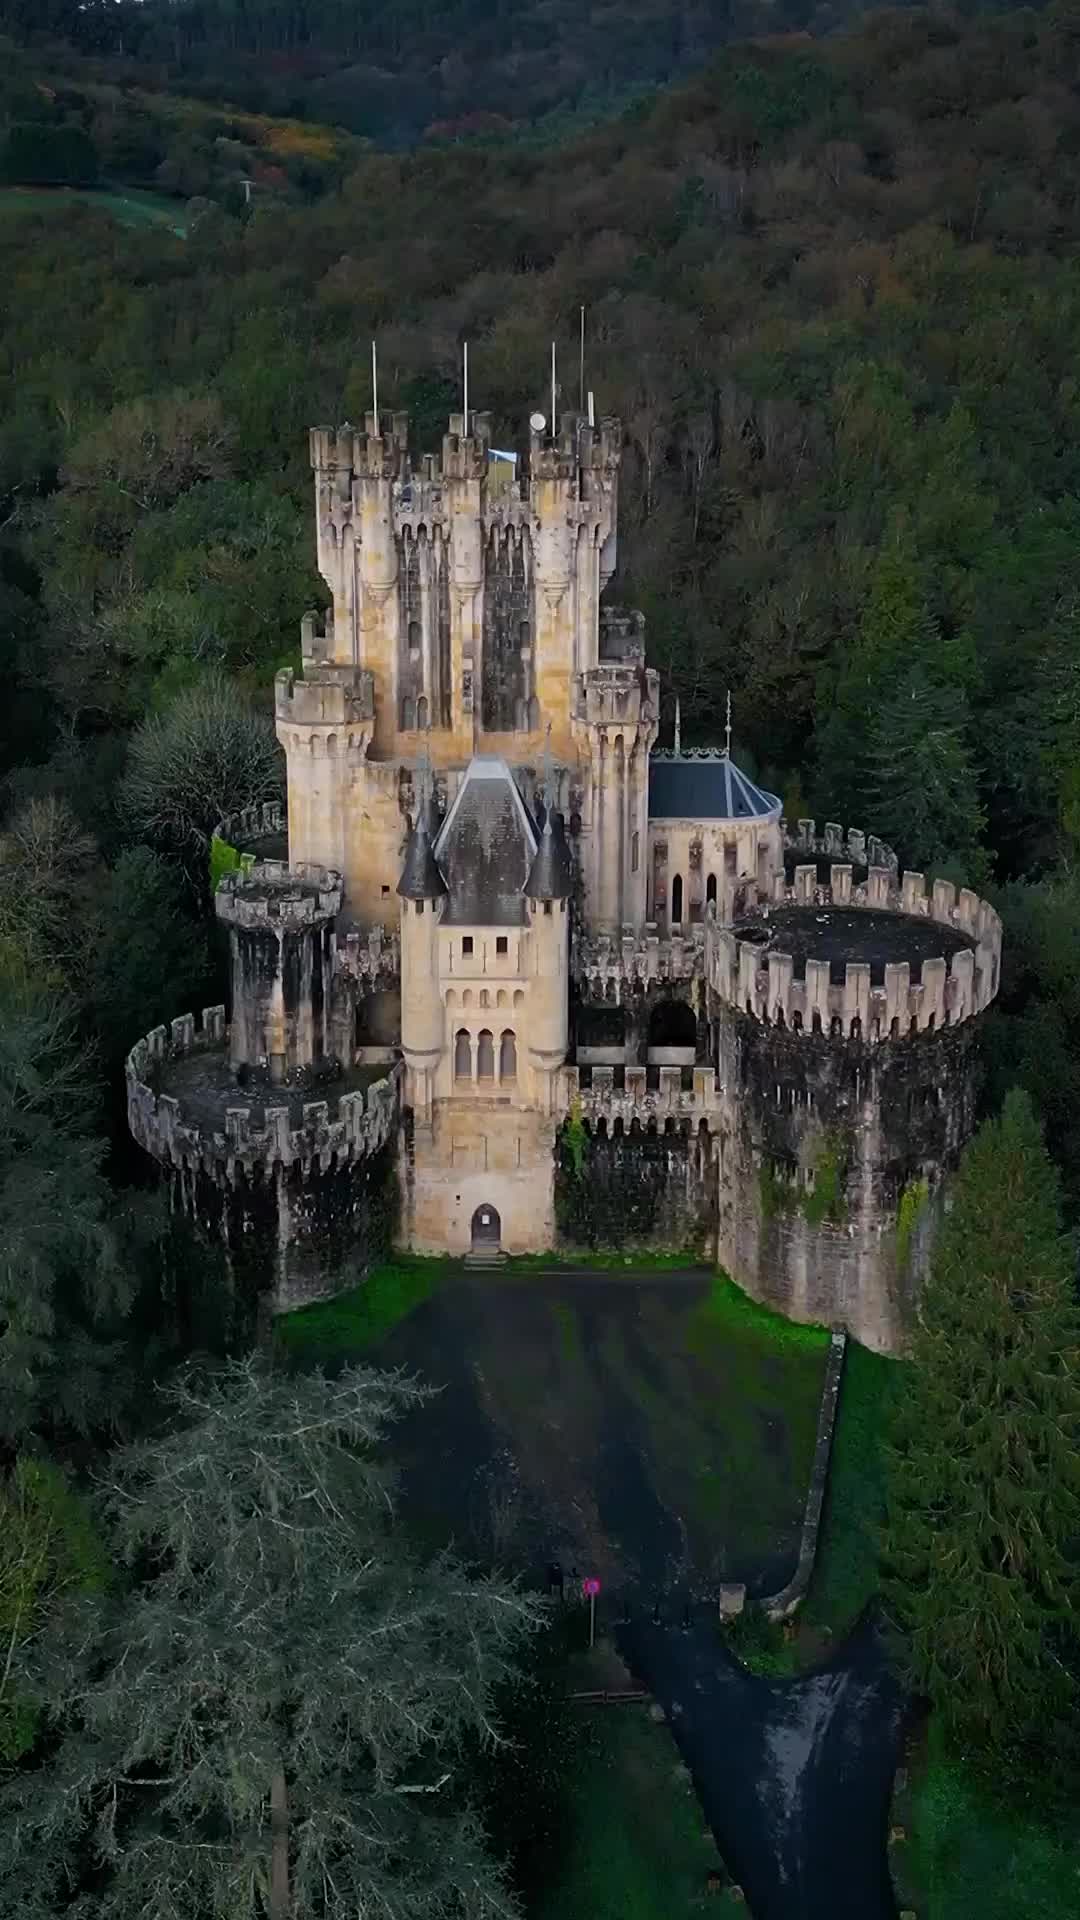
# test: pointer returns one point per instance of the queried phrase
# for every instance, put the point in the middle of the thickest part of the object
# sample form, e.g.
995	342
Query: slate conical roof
550	875
420	876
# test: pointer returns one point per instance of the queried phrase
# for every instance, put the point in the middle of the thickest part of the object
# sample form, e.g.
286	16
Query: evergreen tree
983	1526
63	1290
923	796
274	1720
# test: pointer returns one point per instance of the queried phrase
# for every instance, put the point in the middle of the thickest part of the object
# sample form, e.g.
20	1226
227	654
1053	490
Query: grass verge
846	1570
350	1323
637	1846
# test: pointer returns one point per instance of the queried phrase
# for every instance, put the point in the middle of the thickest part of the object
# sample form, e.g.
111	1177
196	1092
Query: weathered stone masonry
544	978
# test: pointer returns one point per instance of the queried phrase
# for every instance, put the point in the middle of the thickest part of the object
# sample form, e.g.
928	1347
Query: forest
431	69
831	291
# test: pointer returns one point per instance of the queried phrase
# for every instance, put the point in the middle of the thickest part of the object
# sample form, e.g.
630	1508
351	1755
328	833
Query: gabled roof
705	786
486	847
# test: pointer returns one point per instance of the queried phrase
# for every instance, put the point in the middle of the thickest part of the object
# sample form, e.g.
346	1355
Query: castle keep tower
466	604
526	977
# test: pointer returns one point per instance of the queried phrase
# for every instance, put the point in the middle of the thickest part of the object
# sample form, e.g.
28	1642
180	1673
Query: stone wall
635	1188
303	1211
828	1144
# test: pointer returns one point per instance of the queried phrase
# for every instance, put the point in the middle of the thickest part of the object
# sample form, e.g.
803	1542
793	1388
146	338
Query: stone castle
507	976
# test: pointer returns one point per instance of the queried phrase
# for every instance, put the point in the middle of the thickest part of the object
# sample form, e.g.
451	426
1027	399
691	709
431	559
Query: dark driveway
794	1777
606	1421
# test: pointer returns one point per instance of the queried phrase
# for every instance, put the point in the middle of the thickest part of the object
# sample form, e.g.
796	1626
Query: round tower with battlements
846	1002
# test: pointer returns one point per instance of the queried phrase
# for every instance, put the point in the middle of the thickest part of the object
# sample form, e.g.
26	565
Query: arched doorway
486	1229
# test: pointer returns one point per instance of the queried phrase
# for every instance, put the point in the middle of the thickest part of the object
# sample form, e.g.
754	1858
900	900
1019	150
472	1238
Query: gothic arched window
462	1056
507	1057
485	1056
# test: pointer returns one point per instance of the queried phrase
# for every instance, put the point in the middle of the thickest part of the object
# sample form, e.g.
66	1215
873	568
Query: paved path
794	1777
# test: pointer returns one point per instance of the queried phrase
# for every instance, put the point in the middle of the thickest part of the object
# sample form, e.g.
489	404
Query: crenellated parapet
639	1095
833	842
328	696
371	959
619	694
809	961
251	824
203	1128
276	896
608	966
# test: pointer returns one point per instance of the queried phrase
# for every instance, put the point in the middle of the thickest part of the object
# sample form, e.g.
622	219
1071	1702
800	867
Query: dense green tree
49	1551
63	1290
982	1571
921	787
151	959
271	1719
208	752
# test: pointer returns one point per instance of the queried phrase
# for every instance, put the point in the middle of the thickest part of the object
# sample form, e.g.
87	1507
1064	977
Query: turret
547	891
422	890
280	923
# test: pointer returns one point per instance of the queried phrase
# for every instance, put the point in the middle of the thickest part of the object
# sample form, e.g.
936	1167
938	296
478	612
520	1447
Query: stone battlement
343	1129
372	958
252	823
326	696
615	691
377	451
577	453
800	989
832	843
622	635
613	1094
603	967
343	456
274	894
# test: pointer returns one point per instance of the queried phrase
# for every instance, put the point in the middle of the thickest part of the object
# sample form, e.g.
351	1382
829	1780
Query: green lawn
639	1848
351	1323
130	206
651	1419
971	1859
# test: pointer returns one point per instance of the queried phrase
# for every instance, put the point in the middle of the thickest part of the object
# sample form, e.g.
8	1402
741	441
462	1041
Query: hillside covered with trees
831	290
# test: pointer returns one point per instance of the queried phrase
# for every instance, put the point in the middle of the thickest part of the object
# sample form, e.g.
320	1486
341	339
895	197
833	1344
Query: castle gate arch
486	1228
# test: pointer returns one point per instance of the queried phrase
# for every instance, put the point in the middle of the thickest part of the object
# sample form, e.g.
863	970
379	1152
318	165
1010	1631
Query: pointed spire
727	729
420	876
550	873
678	725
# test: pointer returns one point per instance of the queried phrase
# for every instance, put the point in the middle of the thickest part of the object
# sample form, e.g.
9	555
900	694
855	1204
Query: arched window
507	1057
414	636
422	711
462	1056
710	889
408	716
485	1056
519	997
524	635
676	900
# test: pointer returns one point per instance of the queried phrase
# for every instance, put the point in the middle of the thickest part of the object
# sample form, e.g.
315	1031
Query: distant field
132	208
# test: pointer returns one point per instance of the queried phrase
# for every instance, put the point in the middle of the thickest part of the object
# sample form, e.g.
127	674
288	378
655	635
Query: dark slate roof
705	786
550	874
431	815
420	876
486	847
